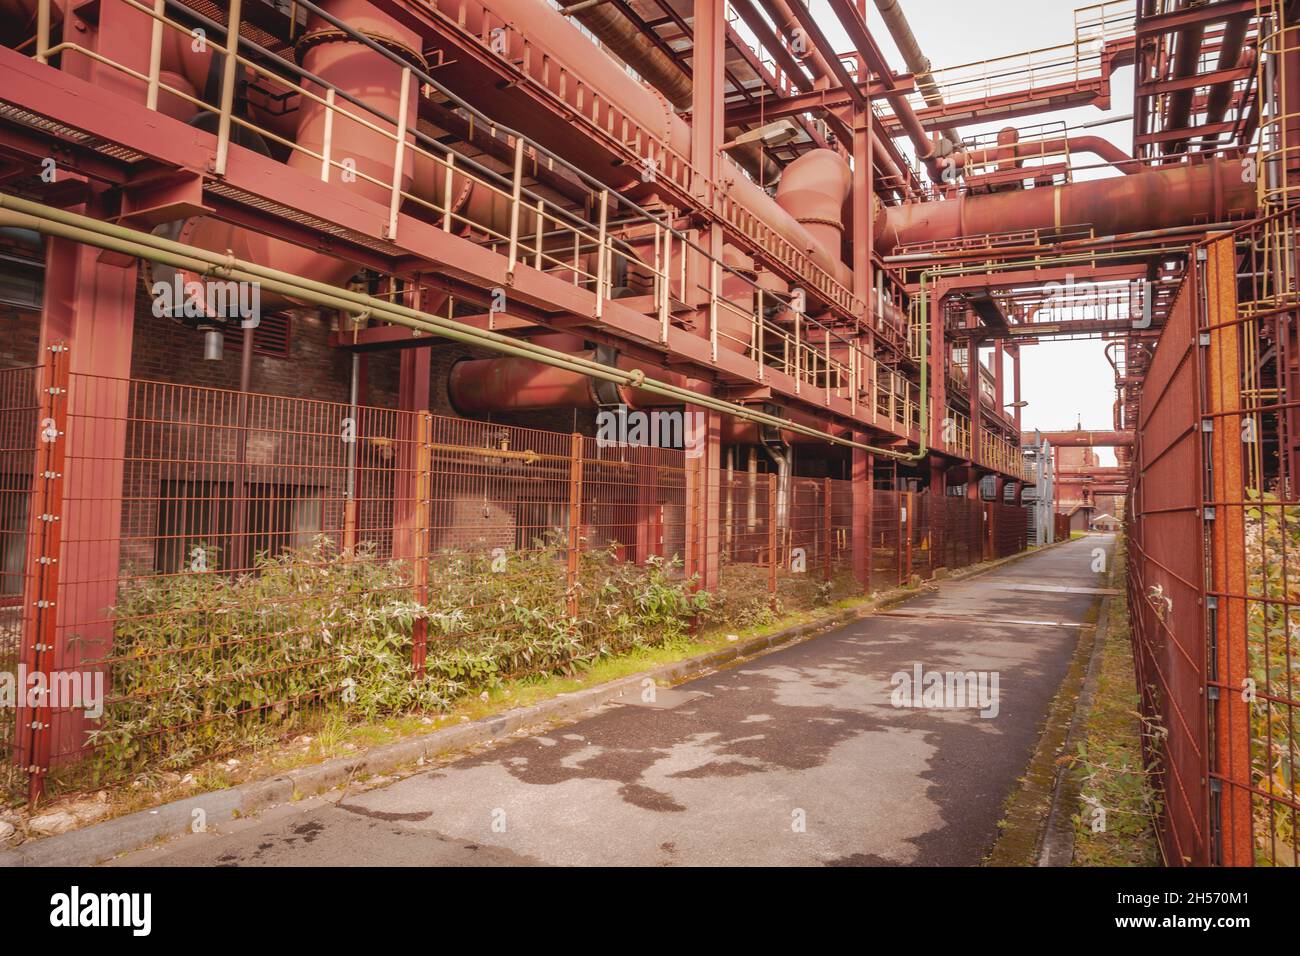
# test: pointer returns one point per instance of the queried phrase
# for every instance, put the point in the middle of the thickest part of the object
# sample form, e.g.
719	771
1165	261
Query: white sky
1062	381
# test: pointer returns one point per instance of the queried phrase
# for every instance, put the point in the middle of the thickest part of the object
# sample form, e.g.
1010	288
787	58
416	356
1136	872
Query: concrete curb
1057	847
103	841
1030	812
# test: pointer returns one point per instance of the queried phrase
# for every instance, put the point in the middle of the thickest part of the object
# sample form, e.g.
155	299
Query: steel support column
863	503
89	306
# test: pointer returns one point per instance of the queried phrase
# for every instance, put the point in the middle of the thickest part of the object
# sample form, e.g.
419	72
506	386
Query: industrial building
709	286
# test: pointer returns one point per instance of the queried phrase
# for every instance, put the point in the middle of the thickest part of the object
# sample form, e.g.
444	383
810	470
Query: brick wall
190	435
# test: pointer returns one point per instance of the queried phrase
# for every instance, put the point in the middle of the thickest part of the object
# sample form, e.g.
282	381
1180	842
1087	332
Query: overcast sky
1064	382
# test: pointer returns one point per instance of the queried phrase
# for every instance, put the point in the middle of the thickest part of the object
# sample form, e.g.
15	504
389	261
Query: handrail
814	341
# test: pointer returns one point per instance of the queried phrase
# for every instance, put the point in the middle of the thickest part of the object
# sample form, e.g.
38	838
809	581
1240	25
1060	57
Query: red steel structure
479	238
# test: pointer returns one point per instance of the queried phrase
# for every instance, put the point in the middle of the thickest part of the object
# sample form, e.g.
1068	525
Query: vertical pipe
731	502
575	522
826	527
155	53
327	137
600	251
447	201
43	31
713	309
350	495
399	154
772	495
516	193
751	503
230	68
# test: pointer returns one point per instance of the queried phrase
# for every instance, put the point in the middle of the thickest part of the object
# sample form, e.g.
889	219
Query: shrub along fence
191	571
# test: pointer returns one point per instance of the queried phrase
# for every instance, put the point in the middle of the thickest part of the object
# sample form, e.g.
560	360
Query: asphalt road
797	757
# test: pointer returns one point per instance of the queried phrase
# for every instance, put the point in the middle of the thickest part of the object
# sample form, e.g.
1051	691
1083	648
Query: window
197	523
21	282
14	498
270	337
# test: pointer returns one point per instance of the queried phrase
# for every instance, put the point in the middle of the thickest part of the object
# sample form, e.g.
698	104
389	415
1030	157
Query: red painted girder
1188	16
1156	87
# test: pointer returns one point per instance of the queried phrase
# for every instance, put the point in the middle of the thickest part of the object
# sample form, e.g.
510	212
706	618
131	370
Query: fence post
826	527
1228	761
771	536
908	519
43	560
420	575
860	526
229	75
989	551
575	522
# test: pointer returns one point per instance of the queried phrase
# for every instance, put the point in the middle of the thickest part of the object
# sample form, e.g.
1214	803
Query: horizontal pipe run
56	222
1083	439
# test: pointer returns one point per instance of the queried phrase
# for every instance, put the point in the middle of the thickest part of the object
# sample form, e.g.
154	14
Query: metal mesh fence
1214	526
206	570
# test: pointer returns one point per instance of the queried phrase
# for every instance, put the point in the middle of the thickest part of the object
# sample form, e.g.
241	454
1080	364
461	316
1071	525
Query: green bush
206	663
1273	658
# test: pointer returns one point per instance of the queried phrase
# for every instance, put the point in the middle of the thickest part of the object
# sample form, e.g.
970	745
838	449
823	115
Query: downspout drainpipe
51	221
350	501
780	454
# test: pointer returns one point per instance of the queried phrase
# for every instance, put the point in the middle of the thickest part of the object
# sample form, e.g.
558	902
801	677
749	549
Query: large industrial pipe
1216	191
657	68
787	25
813	190
517	384
917	62
343	62
1006	152
1230	54
1187	54
554	40
1082	439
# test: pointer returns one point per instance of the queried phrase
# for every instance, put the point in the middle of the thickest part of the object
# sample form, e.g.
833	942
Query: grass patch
1113	824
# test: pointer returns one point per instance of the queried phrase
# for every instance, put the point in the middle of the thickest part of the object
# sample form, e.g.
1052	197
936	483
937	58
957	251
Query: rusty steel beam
1145	26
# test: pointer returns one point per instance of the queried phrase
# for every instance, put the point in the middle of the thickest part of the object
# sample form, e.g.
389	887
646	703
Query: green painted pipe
131	242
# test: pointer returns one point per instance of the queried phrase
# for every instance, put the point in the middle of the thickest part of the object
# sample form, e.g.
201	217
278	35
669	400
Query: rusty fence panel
1213	541
1249	348
229	565
1166	585
219	569
1010	529
888	551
